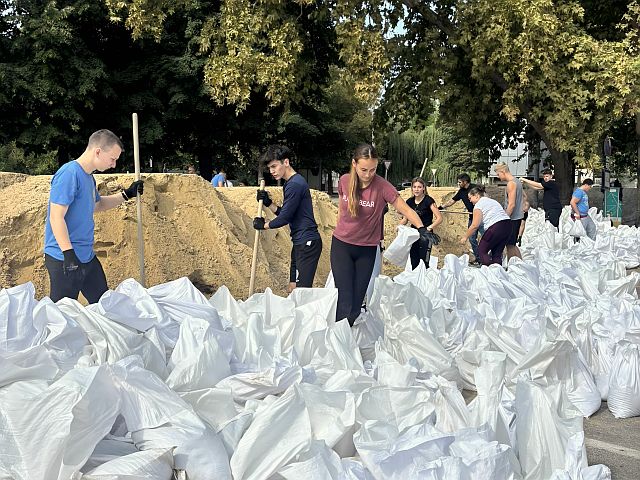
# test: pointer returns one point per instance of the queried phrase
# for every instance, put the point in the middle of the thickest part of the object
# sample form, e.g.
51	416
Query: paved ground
614	442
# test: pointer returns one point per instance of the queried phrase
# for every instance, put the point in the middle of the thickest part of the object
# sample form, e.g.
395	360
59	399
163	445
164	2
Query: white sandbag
576	229
333	348
389	454
50	434
389	372
377	269
624	382
315	309
230	310
284	422
121	308
400	407
575	468
107	449
17	330
33	363
199	360
316	463
113	341
604	350
545	422
180	298
159	418
257	385
145	309
561	361
405	338
65	339
153	464
398	251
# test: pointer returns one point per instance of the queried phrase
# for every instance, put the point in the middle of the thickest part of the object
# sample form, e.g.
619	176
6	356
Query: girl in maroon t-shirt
362	197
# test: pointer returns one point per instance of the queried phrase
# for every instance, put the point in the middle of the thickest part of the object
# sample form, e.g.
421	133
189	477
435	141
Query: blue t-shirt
583	204
72	186
217	179
297	211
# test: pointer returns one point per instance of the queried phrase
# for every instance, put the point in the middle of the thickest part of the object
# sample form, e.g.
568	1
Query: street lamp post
387	164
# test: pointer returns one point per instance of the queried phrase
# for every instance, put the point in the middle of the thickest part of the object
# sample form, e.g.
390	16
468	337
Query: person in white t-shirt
497	226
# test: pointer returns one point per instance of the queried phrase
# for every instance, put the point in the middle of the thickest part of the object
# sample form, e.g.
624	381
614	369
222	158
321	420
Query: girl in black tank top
426	208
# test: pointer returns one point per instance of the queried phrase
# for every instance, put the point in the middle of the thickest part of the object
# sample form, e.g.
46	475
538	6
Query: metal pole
136	161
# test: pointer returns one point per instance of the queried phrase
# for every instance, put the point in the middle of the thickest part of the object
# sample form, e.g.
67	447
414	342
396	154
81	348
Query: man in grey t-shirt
513	206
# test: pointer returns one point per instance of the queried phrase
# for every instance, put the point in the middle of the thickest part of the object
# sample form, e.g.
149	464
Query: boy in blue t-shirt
297	212
580	207
68	236
220	179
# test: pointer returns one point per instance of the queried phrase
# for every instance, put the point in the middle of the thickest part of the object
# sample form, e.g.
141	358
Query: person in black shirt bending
551	199
425	207
296	211
464	184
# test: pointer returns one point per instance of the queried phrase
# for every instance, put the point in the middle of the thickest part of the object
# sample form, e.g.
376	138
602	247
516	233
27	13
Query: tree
494	65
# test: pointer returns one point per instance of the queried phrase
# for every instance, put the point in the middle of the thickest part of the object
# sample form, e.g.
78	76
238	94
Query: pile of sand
190	229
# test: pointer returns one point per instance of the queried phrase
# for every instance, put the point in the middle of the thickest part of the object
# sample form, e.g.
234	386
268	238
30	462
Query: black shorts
91	282
515	229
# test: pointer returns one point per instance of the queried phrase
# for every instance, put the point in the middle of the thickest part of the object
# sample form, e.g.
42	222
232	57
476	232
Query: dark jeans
473	239
553	215
304	262
494	240
91	282
351	266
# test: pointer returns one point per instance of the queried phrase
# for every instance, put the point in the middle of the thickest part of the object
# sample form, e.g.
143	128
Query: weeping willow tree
436	146
407	151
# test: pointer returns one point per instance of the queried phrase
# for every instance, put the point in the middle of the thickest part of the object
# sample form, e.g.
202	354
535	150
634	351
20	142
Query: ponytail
353	194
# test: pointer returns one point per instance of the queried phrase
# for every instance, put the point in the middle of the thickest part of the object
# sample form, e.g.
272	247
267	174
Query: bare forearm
60	232
109	201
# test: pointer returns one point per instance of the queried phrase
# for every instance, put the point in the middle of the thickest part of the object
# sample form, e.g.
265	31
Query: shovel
256	241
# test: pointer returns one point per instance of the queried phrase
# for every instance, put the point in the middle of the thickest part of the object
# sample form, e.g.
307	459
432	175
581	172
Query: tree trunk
638	173
563	173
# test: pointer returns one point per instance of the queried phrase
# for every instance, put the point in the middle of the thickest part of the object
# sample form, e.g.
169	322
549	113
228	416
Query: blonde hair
502	167
362	151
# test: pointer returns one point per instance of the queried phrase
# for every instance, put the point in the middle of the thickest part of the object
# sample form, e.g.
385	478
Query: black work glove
71	265
258	223
434	238
134	188
264	196
427	238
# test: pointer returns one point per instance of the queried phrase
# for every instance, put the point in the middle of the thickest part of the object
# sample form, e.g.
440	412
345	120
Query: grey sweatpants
589	227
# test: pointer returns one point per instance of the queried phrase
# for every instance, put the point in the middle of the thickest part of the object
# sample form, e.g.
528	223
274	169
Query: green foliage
14	159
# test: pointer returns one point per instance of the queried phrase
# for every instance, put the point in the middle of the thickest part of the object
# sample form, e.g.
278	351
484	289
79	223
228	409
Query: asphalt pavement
614	442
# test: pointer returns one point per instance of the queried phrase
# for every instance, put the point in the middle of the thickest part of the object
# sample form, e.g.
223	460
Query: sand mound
190	229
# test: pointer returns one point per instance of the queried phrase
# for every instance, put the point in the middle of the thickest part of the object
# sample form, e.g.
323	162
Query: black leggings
352	266
420	251
92	284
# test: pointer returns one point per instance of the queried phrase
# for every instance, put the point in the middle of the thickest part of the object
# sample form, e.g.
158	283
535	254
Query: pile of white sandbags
622	243
150	381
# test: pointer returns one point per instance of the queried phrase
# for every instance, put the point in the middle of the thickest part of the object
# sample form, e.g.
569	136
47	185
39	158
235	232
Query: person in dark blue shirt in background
296	211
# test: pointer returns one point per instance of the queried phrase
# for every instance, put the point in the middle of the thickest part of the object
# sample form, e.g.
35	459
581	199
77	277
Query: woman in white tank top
497	226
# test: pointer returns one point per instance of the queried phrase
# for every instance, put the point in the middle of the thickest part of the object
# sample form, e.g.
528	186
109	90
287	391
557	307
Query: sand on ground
190	229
